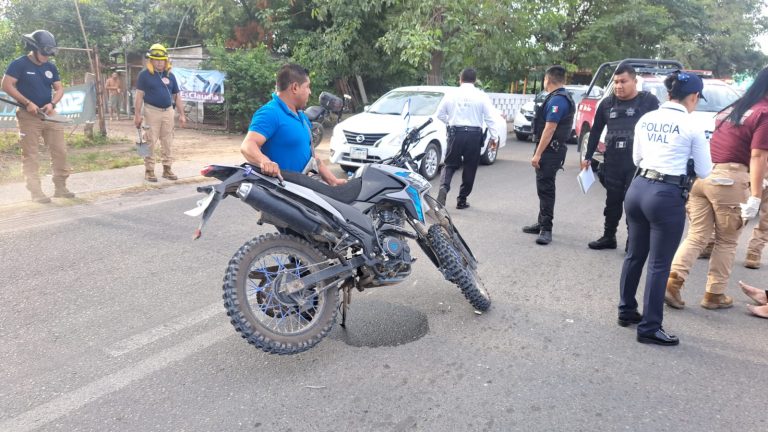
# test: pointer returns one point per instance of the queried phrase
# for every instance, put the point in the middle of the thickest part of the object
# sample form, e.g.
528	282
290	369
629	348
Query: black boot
604	242
545	238
532	229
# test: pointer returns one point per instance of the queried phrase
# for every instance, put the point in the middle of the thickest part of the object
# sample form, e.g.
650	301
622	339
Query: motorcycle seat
313	112
346	193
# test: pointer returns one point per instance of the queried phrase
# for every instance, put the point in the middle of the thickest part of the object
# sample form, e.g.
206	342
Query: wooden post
360	86
99	93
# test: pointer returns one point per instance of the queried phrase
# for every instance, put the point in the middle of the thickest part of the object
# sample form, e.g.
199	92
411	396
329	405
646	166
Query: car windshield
718	96
422	103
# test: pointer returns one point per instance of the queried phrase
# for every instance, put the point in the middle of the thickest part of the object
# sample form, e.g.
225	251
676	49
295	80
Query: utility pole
95	71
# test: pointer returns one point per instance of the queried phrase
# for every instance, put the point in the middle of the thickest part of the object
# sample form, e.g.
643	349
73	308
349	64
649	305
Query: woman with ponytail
665	140
725	200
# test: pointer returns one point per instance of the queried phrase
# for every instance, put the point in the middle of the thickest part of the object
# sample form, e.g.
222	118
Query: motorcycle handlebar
420	128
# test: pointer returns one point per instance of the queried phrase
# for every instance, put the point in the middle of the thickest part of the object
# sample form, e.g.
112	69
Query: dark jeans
618	172
656	217
551	162
463	148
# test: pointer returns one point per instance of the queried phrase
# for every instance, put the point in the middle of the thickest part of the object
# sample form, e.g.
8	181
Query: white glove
750	208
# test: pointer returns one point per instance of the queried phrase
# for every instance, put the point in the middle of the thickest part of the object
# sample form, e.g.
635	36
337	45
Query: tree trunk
435	75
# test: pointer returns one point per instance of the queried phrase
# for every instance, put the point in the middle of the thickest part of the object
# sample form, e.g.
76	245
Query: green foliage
250	80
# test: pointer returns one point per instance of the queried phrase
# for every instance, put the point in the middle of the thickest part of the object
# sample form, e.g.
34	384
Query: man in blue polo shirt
279	136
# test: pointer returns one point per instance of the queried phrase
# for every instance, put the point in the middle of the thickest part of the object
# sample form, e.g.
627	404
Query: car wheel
522	136
489	157
349	168
430	163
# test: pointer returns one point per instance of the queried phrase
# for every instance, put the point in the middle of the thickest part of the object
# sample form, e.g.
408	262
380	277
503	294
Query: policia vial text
657	132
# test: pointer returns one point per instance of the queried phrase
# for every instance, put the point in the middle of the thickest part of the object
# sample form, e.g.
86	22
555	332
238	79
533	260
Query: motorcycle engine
395	251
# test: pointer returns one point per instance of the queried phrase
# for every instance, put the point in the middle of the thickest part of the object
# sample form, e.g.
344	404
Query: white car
524	116
377	133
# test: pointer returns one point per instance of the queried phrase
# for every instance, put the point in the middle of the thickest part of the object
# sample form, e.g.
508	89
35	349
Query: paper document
586	178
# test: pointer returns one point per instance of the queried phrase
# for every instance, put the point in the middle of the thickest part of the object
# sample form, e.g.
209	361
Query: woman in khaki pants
728	197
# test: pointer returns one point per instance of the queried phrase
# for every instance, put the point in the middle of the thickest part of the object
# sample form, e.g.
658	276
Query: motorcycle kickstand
346	299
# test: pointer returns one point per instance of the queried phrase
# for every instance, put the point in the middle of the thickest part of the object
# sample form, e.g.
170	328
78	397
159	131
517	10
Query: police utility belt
455	129
677	180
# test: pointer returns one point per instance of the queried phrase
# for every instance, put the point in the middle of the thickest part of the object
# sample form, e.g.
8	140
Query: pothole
373	323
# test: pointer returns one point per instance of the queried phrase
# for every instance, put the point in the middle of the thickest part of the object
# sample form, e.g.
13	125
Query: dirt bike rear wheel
455	271
266	316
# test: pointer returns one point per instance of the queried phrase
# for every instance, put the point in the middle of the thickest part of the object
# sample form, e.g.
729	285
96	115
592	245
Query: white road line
147	337
74	400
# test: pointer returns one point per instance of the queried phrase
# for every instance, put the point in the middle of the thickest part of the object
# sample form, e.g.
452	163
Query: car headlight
393	139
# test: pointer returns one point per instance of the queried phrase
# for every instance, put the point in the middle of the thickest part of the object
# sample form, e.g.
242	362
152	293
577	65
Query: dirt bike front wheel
454	270
259	307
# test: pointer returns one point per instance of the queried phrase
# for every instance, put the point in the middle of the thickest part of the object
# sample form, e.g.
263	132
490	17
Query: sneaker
532	229
603	242
461	205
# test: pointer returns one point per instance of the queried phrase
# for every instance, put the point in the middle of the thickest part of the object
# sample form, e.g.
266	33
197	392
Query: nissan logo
360	139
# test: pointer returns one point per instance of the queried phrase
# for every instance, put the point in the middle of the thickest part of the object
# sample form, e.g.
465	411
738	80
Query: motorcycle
283	291
329	104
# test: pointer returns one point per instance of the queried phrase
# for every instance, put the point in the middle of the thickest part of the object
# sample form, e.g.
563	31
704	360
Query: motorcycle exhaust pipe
278	210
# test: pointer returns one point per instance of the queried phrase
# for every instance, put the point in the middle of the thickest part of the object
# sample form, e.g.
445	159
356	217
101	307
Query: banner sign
200	85
78	104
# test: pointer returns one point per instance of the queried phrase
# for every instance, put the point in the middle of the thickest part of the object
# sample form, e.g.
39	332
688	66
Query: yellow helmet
157	52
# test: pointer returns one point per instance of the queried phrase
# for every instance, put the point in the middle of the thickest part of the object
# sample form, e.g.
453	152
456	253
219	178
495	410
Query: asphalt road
111	320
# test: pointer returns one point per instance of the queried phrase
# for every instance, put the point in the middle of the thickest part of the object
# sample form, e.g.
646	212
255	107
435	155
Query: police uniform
618	168
464	114
557	107
664	142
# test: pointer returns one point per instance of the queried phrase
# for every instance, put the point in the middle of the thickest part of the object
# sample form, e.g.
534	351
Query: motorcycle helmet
41	41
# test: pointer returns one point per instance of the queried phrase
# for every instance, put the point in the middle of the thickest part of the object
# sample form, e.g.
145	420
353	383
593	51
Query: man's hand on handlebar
269	168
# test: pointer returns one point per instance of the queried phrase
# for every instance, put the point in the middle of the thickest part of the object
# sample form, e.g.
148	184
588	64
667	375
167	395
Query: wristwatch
53	105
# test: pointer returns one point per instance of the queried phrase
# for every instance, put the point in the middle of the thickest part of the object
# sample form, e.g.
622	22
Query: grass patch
81	161
101	160
80	140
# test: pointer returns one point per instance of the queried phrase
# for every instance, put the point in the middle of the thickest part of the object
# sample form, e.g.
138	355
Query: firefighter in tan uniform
157	92
34	82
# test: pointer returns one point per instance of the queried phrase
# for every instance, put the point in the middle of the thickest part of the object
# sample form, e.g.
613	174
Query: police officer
728	197
552	125
619	112
665	140
29	79
157	92
464	114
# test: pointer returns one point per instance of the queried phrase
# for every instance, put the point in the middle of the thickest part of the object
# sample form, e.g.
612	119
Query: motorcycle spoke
275	309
